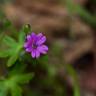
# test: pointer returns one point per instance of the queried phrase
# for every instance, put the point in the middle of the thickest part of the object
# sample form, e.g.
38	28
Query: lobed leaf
5	53
24	78
17	69
21	37
9	41
12	60
16	91
3	91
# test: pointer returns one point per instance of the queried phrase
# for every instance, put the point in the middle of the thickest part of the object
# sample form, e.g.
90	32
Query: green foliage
16	76
12	84
14	47
3	89
17	69
9	41
13	50
73	75
16	91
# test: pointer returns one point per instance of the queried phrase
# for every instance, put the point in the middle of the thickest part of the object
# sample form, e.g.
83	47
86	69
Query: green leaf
16	91
11	84
21	37
44	59
14	51
73	74
12	60
17	69
5	53
9	41
3	91
23	78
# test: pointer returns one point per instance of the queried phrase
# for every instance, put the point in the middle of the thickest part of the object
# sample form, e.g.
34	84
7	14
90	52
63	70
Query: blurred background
70	28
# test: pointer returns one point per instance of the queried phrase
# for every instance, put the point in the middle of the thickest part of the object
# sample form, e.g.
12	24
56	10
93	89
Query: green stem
73	74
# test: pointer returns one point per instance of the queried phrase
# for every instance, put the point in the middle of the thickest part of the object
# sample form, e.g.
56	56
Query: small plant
14	78
14	49
20	49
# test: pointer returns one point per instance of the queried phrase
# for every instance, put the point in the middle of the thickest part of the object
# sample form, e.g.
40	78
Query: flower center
34	46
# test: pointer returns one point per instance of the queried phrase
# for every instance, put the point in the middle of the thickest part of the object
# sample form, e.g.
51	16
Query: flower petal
43	49
41	40
29	49
37	54
33	53
28	37
44	52
26	45
39	35
33	35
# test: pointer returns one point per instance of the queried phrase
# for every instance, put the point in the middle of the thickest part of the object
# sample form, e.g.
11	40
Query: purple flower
35	44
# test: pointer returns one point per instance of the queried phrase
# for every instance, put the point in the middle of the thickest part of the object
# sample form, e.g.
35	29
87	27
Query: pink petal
33	53
39	35
44	52
43	49
41	41
37	54
28	37
26	45
33	34
28	49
